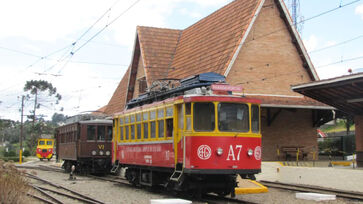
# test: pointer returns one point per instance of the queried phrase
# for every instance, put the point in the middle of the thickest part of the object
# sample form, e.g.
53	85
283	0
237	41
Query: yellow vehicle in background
45	149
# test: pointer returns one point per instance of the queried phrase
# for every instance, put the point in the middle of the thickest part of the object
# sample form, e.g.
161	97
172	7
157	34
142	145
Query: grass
13	186
339	127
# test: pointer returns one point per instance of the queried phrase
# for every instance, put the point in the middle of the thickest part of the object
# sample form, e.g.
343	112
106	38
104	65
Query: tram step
176	175
115	168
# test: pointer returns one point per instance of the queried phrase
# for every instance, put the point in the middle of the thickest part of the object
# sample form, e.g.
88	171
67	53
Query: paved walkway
344	178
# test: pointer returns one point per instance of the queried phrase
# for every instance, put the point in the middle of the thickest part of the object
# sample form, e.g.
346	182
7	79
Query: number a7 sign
233	151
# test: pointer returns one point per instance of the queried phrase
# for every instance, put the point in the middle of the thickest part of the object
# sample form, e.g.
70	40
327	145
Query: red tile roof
206	46
118	99
157	50
209	44
292	102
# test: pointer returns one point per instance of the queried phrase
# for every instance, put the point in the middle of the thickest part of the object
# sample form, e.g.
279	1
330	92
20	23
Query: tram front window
204	117
233	117
41	142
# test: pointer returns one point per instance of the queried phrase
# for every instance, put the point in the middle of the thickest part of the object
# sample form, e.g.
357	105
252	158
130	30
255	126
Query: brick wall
292	127
358	120
140	73
268	62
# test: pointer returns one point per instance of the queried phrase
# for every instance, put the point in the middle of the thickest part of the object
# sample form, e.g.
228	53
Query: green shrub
26	153
10	154
7	159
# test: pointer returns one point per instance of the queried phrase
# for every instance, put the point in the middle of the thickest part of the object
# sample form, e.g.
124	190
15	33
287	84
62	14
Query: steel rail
59	186
315	189
217	198
47	194
67	195
39	198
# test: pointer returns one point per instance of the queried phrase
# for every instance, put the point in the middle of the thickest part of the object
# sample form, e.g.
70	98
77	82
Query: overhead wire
307	19
337	44
100	31
18	51
340	61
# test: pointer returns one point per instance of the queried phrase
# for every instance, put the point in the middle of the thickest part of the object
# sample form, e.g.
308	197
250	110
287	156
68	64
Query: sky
83	47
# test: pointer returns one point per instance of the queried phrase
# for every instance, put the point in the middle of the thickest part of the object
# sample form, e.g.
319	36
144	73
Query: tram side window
161	128
146	130
132	132
233	117
138	131
255	119
180	116
169	127
109	133
122	133
101	136
127	132
152	129
91	132
204	117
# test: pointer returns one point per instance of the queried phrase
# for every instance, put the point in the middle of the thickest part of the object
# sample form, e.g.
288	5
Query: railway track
314	189
49	192
55	193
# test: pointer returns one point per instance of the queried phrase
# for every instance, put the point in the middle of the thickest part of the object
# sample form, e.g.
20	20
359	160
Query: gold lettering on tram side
101	147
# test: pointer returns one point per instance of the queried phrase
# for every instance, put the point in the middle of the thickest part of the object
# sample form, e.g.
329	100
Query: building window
142	85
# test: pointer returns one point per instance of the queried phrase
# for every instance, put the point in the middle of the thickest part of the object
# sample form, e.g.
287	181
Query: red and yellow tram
198	141
45	148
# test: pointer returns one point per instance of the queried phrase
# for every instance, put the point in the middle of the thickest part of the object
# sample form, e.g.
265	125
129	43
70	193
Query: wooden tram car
196	137
45	148
86	145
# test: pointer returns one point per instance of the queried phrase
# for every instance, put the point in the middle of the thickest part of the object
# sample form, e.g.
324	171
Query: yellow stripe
260	189
281	163
341	163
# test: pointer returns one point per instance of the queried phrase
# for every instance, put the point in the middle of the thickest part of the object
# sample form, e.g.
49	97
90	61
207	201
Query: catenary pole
21	130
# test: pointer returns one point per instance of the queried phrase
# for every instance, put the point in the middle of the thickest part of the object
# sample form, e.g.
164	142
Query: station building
252	43
346	94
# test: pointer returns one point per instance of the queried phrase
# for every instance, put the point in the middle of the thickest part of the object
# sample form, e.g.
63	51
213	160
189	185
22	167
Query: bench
291	151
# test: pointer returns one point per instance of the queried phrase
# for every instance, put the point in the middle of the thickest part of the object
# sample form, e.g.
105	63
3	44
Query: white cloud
330	43
311	43
359	10
193	14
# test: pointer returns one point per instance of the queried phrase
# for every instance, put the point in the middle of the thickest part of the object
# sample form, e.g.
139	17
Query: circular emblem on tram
204	152
258	153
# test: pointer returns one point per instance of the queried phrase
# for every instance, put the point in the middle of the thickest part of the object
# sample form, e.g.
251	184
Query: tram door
178	137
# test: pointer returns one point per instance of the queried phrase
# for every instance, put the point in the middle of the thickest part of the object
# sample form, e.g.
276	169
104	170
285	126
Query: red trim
221	98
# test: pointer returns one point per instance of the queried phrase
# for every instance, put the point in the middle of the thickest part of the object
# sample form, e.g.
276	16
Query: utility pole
21	131
294	6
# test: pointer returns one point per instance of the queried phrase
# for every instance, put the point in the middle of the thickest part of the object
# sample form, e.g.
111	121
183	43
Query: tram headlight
250	152
101	152
108	153
94	152
219	151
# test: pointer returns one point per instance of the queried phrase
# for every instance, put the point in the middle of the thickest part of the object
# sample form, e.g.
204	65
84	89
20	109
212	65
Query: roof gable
209	45
157	50
118	99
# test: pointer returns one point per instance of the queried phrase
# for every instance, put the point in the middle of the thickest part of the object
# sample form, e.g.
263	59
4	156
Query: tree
36	87
58	118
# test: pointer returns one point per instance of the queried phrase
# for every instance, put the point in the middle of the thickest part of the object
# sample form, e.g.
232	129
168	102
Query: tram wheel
41	159
67	166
